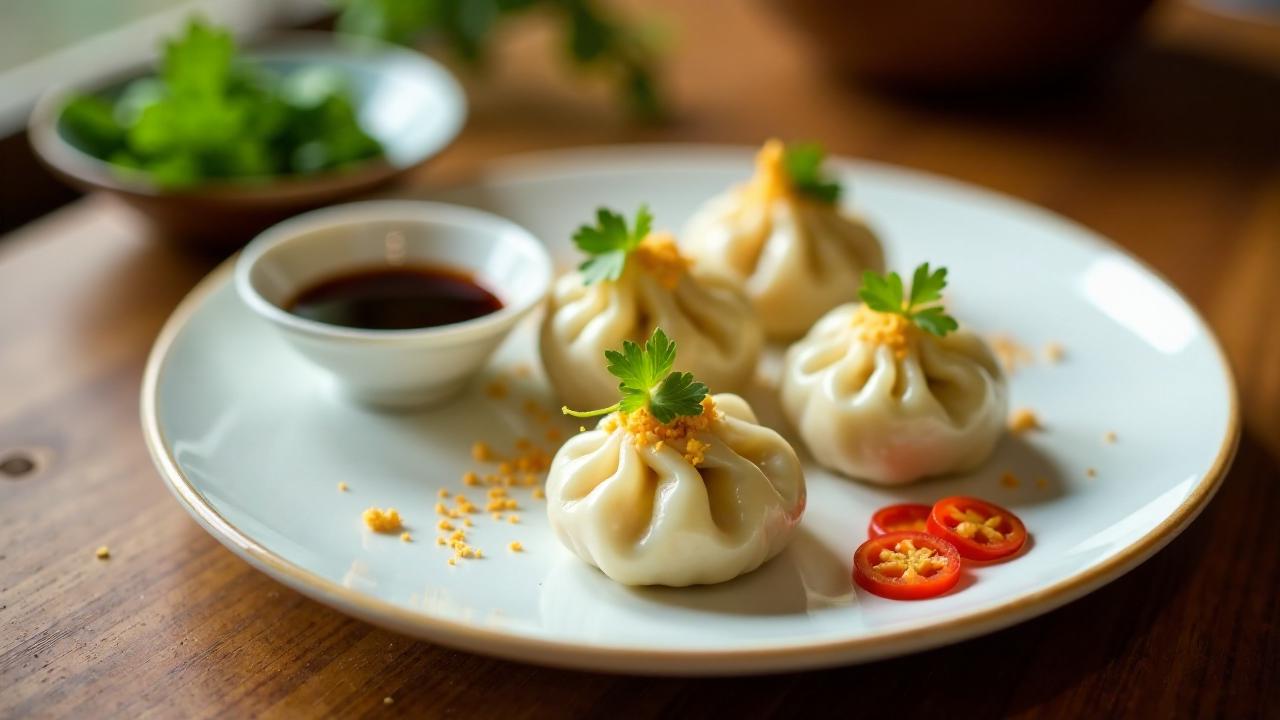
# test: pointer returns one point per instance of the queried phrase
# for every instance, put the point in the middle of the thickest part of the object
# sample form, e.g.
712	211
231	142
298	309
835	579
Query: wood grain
1173	154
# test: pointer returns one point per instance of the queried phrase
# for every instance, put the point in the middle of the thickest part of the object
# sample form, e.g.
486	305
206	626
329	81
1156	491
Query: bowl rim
420	212
80	167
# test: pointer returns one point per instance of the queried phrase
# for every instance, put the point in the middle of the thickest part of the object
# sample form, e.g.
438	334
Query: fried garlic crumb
444	525
387	700
470	478
539	493
1009	352
481	451
646	431
1091	472
660	257
406	537
452	561
1010	480
888	329
496	516
383	521
515	546
1109	438
1022	420
1054	352
343	487
442	493
513	519
440	540
102	553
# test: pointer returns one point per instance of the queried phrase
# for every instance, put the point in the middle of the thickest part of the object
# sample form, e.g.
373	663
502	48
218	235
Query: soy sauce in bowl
407	297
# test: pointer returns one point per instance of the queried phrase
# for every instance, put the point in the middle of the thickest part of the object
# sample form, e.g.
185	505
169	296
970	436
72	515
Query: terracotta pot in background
947	46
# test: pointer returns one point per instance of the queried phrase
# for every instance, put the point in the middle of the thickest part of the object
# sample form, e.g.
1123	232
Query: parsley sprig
647	381
803	162
609	243
923	306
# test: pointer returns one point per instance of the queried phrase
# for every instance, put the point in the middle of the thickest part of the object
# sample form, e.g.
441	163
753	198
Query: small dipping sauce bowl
395	368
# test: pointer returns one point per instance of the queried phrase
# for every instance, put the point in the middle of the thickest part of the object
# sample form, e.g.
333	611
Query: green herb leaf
647	381
803	163
678	395
609	243
923	307
593	37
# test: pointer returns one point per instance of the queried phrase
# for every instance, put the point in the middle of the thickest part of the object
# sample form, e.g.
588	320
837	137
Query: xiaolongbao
892	396
636	281
699	500
785	239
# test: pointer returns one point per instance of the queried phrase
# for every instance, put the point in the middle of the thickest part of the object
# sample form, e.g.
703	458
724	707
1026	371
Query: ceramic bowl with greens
212	144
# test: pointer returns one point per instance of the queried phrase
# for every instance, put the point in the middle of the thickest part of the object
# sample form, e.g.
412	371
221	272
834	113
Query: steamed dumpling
701	500
708	316
877	398
796	255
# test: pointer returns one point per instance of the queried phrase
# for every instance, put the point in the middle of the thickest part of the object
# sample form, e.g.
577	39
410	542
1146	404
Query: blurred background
1141	85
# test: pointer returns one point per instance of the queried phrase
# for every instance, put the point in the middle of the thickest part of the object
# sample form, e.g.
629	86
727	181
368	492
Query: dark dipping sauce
395	298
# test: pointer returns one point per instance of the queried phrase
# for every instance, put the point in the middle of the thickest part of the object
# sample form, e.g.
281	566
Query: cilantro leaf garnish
647	381
922	306
803	163
209	114
609	243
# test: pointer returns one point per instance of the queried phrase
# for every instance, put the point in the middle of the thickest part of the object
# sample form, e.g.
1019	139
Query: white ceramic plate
253	445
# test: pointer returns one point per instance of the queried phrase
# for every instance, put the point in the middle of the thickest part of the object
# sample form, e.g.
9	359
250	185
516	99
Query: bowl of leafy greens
214	144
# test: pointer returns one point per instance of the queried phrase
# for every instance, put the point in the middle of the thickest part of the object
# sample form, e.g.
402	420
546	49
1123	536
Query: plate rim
667	661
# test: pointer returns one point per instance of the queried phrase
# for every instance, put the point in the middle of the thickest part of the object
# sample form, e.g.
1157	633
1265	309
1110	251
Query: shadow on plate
805	576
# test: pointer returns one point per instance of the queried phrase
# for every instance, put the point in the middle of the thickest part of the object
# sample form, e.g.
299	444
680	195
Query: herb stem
591	413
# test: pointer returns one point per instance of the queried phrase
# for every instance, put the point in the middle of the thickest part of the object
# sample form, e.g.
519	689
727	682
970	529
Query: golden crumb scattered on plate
1110	437
1011	354
515	546
1009	480
1022	420
102	553
1091	472
481	452
1054	352
343	487
513	519
387	700
406	537
383	521
539	493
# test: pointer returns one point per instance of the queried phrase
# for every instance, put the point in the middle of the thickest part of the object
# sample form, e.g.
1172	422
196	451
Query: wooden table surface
1175	155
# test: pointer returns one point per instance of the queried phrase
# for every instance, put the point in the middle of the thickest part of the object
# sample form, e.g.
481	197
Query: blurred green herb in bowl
593	38
209	115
